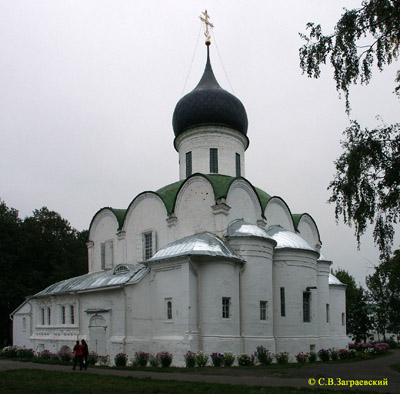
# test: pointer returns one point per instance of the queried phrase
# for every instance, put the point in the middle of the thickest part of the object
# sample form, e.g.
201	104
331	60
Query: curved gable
146	213
145	198
308	229
193	206
244	201
278	213
106	220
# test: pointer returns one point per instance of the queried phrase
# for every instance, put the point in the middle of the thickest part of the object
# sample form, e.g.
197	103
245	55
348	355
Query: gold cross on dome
207	23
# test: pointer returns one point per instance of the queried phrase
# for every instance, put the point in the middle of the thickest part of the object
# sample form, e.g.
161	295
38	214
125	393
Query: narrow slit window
306	307
103	256
238	169
43	316
63	315
283	306
263	310
48	316
188	164
213	160
169	310
327	313
148	245
72	314
226	301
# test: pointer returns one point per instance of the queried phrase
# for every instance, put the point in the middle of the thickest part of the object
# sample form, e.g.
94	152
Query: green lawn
52	382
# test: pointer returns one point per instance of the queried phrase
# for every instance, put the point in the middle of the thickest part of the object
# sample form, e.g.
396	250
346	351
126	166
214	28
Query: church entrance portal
98	335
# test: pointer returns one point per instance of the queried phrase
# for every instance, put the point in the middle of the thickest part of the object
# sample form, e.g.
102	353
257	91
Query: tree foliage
384	288
362	38
34	253
366	186
358	319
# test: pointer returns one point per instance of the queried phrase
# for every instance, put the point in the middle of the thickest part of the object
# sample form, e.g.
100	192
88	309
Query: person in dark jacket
78	352
85	353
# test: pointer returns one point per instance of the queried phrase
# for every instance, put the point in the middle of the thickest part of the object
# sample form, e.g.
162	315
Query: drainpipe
125	320
241	309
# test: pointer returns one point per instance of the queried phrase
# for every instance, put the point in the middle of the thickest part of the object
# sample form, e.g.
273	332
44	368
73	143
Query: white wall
200	140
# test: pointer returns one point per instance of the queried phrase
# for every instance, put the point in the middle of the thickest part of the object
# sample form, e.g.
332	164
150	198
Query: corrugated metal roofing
203	244
240	228
335	281
97	280
287	239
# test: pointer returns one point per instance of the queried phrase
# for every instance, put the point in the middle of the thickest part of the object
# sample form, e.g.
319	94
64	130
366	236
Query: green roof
296	218
120	215
220	185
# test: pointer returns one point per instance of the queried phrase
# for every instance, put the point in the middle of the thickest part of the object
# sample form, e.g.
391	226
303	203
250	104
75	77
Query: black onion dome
209	105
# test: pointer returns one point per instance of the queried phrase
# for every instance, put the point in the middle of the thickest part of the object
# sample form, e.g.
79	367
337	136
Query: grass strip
55	382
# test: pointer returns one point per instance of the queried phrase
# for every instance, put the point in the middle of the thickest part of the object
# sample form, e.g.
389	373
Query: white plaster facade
208	263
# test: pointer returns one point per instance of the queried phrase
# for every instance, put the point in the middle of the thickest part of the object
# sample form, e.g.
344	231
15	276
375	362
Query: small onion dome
209	105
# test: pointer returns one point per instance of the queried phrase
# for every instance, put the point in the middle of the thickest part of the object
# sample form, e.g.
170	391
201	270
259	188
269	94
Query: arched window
121	269
169	310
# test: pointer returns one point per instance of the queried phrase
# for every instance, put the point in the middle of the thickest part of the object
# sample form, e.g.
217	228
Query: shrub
121	359
381	348
23	352
134	362
201	359
334	354
142	358
165	359
9	352
154	360
352	353
190	359
264	357
302	357
65	356
229	359
246	360
344	354
282	357
46	355
313	357
324	354
93	358
217	359
103	360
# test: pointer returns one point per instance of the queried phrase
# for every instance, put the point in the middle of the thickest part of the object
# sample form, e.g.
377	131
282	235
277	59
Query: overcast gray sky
88	89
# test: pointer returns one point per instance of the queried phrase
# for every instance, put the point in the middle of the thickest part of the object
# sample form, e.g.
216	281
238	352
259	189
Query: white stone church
209	262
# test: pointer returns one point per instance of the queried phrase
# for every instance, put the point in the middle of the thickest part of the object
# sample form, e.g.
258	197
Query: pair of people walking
81	352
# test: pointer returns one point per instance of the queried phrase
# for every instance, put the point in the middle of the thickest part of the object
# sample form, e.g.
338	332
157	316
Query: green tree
384	287
363	190
34	253
10	229
358	320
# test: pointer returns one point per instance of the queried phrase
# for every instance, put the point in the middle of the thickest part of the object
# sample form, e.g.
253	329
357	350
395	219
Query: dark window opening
283	306
238	169
225	307
188	164
306	307
213	160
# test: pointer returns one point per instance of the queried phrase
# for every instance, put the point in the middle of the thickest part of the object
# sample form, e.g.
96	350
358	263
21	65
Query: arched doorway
98	335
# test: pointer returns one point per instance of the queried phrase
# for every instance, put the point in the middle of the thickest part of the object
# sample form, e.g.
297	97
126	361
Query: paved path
377	369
